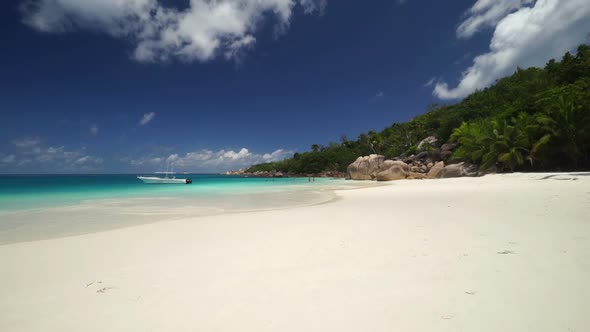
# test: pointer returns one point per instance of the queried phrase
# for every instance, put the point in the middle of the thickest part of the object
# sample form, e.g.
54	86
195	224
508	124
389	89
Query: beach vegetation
536	119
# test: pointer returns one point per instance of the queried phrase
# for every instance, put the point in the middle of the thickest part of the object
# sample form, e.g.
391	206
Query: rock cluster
427	142
433	164
375	167
236	172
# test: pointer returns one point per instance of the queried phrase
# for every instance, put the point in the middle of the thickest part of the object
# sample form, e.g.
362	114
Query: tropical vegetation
536	119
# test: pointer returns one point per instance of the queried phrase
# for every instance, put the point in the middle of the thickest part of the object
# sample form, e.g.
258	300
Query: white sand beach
497	253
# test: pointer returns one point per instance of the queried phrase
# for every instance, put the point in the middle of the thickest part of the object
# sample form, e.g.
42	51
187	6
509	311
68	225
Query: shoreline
104	214
499	252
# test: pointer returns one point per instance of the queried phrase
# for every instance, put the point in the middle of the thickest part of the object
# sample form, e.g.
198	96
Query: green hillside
536	119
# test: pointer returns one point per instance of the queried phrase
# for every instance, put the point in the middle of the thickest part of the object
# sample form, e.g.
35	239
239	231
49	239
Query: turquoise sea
23	192
44	206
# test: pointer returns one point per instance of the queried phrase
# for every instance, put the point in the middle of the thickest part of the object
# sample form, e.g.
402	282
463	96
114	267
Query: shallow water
47	206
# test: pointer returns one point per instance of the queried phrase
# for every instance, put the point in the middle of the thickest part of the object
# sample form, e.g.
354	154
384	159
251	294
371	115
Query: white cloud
313	6
26	142
377	96
525	35
235	47
487	13
24	162
200	32
143	161
9	159
87	160
276	155
66	158
211	161
56	159
146	118
430	82
93	129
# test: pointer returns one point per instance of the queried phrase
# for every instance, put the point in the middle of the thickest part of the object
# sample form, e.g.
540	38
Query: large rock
452	171
435	170
429	156
410	159
448	147
445	155
435	155
427	142
471	169
395	172
446	150
416	176
422	155
376	167
365	168
491	170
389	163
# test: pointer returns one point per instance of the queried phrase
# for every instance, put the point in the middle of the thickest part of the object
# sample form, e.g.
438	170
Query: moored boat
165	178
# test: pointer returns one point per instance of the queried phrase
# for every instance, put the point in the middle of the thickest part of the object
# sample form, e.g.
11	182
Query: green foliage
565	124
498	142
534	119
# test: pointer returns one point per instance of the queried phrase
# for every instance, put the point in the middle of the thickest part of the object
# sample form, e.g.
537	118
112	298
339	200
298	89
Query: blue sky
122	86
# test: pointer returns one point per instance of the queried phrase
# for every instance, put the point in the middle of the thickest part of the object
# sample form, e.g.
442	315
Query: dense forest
536	119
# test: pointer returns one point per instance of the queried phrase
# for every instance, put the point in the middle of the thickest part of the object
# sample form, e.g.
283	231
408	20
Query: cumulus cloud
227	159
203	30
60	156
526	33
57	159
142	161
26	142
146	118
487	13
8	159
211	161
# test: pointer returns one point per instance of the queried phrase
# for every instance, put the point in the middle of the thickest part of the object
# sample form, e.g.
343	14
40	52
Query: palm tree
566	129
376	142
513	141
490	143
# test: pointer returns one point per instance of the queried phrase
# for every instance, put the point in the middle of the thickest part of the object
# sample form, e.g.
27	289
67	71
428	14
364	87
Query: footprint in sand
104	289
93	282
98	284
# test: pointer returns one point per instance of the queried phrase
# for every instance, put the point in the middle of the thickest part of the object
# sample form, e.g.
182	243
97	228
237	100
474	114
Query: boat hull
156	180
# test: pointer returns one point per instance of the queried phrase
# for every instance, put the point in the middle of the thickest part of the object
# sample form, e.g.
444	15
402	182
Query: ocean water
25	192
36	207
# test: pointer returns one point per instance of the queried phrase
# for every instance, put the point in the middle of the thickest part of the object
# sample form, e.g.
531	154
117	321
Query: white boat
164	178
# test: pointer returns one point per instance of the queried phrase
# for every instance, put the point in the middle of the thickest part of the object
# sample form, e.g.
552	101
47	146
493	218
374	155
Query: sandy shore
498	253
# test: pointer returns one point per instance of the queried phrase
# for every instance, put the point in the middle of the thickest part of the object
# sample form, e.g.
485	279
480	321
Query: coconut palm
566	128
495	142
